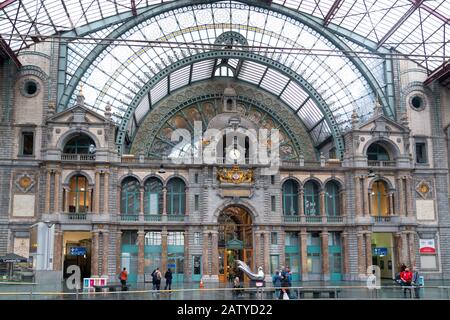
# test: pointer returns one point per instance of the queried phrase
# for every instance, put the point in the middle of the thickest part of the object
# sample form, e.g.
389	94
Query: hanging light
161	169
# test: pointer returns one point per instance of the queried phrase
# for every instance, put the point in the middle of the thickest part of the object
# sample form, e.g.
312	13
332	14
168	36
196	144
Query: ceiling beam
7	50
331	13
416	4
6	3
441	72
433	12
133	8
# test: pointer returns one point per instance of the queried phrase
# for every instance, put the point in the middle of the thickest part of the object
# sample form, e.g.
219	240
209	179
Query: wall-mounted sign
77	251
380	252
427	246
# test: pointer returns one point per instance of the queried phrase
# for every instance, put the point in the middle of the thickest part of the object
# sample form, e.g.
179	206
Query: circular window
417	101
30	88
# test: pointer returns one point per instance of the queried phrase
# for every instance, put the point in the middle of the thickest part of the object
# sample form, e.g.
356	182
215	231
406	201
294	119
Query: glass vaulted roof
131	59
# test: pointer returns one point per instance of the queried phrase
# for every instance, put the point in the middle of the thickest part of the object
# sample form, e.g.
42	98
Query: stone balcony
308	220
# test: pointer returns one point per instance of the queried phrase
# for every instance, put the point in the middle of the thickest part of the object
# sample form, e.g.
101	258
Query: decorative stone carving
24	182
424	189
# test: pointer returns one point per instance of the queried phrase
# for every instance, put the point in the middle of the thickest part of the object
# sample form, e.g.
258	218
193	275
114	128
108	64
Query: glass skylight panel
142	108
202	70
180	78
274	81
294	95
310	114
159	91
252	72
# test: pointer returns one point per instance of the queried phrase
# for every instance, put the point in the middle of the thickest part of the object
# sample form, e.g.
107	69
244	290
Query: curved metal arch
126	176
293	76
300	17
293	178
255	103
229	36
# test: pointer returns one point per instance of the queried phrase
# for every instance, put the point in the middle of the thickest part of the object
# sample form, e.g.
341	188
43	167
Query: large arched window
176	196
380	198
153	196
311	199
130	196
79	197
290	198
376	152
332	199
79	144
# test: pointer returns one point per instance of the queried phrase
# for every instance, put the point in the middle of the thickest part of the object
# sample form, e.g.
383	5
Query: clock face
234	154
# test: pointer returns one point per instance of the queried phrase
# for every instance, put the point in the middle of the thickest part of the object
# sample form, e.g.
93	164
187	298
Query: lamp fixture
161	169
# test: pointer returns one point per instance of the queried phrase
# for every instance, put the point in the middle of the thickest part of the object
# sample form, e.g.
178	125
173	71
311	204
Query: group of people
409	279
156	279
282	281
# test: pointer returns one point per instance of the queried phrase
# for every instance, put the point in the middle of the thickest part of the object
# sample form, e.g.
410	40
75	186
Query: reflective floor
191	291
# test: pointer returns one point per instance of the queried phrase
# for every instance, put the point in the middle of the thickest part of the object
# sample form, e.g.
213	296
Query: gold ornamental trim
235	175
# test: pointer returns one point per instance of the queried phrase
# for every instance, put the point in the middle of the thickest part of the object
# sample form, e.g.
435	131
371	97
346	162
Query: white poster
22	247
153	203
427	246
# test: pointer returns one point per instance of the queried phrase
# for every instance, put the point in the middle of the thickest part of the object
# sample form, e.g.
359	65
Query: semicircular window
377	152
79	144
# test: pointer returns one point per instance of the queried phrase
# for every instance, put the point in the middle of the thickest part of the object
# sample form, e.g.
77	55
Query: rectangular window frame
273	203
22	142
423	142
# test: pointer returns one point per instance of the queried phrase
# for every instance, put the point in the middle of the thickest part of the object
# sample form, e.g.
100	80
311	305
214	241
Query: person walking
284	292
123	278
416	282
406	279
156	279
168	277
276	281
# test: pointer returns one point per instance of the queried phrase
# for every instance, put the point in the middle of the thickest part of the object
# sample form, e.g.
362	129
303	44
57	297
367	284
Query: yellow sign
235	175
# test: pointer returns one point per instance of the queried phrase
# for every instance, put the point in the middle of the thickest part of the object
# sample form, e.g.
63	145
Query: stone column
186	201
266	252
105	253
325	255
141	201
57	253
401	201
405	256
408	196
164	248
368	236
47	191
398	250
391	204
187	258
366	197
345	254
283	246
412	248
56	207
164	201
140	242
118	252
358	196
94	254
215	254
66	199
301	210
322	203
343	203
205	258
361	255
257	250
303	235
96	207
106	193
118	204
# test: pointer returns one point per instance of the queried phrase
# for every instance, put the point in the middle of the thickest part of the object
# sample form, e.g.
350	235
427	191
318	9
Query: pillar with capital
368	237
164	200
325	255
408	196
56	192
401	194
358	196
57	254
164	246
96	207
118	252
215	255
266	252
257	250
47	191
300	202
361	255
205	258
322	202
141	201
187	259
105	252
106	192
303	236
140	243
366	196
94	254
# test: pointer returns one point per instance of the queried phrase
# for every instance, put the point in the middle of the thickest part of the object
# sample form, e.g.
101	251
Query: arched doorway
235	242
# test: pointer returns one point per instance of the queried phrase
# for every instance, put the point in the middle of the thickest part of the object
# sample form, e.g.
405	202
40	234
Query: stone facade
410	219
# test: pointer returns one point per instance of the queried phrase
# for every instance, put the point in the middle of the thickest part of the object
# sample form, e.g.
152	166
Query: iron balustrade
77	157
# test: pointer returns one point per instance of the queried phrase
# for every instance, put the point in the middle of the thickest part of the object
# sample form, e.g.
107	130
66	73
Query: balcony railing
77	157
313	219
380	219
152	217
376	163
335	219
292	219
129	217
77	216
175	217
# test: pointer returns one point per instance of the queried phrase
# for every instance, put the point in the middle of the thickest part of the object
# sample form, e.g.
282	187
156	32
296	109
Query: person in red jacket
406	279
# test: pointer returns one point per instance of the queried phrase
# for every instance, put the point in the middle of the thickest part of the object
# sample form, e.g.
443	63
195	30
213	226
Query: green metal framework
290	197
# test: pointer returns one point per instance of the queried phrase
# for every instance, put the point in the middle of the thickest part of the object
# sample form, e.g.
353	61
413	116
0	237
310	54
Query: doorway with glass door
235	243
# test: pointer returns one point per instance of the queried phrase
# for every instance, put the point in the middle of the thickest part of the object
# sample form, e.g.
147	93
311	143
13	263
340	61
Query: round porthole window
417	101
29	88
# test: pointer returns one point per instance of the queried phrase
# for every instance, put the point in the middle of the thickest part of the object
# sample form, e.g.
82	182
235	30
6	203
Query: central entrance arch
235	242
